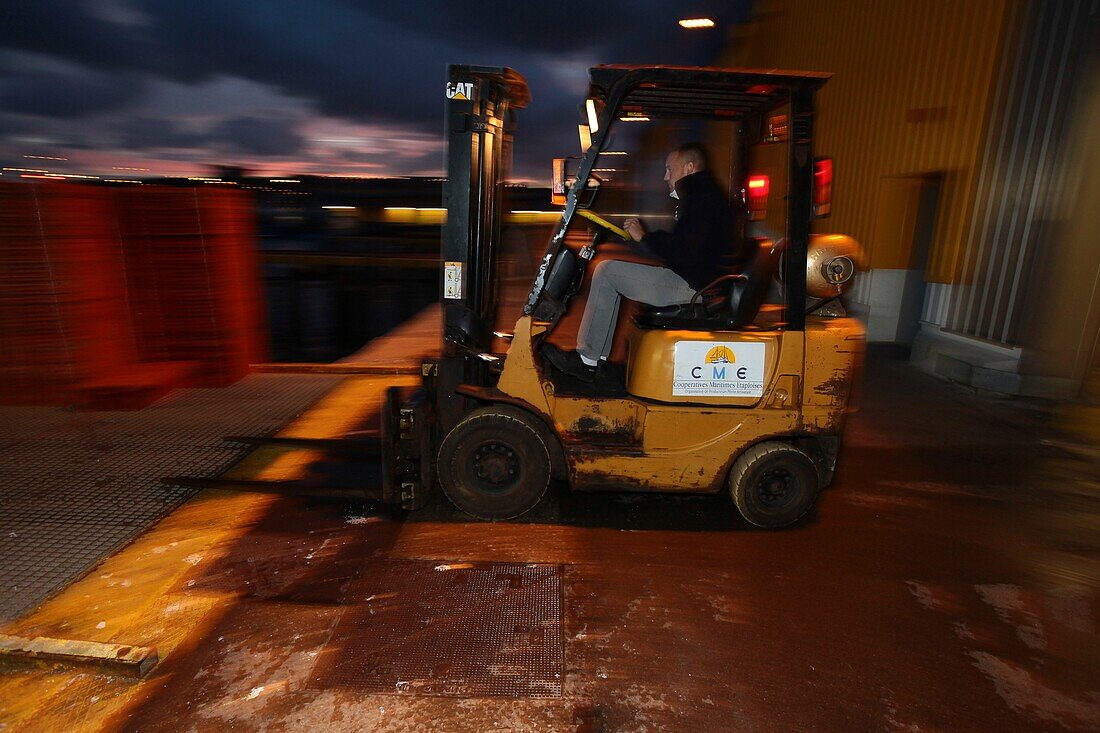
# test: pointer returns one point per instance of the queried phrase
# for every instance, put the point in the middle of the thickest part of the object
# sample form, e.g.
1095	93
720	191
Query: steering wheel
597	219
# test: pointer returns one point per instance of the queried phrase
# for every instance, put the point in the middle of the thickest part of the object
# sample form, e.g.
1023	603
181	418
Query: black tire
495	463
773	484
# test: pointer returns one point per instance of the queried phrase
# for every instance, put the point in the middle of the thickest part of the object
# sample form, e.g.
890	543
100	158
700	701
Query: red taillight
759	186
823	186
756	195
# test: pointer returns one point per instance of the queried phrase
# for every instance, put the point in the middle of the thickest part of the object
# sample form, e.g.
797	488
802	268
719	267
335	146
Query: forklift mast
480	106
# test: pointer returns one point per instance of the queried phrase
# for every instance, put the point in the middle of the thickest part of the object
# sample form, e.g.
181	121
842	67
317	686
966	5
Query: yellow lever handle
604	223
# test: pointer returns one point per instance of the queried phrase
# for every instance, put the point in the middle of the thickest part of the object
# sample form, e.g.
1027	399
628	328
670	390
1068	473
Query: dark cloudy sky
305	86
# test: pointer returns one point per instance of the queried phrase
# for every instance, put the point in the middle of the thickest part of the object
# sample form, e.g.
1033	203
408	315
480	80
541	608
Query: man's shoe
568	362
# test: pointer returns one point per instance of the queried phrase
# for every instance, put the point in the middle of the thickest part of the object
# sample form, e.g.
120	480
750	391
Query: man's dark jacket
702	245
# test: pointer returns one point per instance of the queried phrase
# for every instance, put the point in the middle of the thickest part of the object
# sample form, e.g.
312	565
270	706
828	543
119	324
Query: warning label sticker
718	369
452	280
461	90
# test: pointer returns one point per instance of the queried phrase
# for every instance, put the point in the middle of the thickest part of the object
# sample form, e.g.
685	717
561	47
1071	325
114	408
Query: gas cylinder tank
831	263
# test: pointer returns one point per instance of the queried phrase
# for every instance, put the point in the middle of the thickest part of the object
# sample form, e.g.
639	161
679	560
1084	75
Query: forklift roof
695	91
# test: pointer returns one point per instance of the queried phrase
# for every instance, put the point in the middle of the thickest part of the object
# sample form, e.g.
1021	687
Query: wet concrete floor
934	588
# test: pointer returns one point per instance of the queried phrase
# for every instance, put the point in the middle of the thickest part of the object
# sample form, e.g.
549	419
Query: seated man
699	245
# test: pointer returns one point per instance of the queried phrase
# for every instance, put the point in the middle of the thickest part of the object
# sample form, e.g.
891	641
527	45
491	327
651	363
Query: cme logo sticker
460	90
709	369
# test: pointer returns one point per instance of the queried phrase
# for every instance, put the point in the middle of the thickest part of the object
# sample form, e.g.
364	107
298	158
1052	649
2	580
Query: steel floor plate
455	630
77	486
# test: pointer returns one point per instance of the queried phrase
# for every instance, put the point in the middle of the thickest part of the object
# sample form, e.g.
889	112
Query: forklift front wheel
494	464
773	484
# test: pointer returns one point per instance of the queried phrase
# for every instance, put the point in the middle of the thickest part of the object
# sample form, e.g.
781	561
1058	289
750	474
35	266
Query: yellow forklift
744	389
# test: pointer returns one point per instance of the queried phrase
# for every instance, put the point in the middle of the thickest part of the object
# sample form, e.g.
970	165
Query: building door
928	196
905	223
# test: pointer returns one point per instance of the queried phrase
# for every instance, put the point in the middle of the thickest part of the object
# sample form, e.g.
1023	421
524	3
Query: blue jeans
613	280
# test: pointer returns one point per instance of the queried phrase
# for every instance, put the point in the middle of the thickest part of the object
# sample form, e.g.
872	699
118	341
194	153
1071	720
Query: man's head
683	161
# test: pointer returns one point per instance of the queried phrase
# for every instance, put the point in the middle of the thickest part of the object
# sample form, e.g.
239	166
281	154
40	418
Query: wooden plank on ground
126	659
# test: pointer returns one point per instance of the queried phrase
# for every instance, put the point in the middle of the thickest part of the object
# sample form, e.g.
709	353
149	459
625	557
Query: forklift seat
729	303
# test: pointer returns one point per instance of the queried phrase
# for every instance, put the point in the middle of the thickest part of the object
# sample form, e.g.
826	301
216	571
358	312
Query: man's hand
634	228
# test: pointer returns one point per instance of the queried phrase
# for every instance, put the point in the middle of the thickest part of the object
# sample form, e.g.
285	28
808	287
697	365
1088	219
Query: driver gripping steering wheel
690	253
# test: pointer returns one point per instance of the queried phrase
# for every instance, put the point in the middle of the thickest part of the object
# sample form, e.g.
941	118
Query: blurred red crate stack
194	279
147	306
111	297
63	310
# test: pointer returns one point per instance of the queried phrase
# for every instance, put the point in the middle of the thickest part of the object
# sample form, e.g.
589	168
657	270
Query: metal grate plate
456	630
76	486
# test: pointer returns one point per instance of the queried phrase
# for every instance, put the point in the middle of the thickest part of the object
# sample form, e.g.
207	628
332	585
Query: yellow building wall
911	95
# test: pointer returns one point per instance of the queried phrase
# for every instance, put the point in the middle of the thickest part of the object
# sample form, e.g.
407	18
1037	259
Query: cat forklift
741	390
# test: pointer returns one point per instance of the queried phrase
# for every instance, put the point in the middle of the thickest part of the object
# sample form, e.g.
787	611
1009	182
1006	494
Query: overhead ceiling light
696	23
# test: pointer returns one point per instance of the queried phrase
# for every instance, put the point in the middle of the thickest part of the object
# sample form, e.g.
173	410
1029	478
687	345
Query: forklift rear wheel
773	484
495	463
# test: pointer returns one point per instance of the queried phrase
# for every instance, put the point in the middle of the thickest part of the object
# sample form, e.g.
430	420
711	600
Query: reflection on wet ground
937	586
918	597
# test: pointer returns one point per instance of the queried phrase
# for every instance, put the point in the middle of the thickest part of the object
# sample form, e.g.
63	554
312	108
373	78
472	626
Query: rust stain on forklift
834	351
599	422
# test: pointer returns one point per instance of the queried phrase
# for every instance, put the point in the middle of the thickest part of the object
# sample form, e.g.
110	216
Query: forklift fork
408	470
